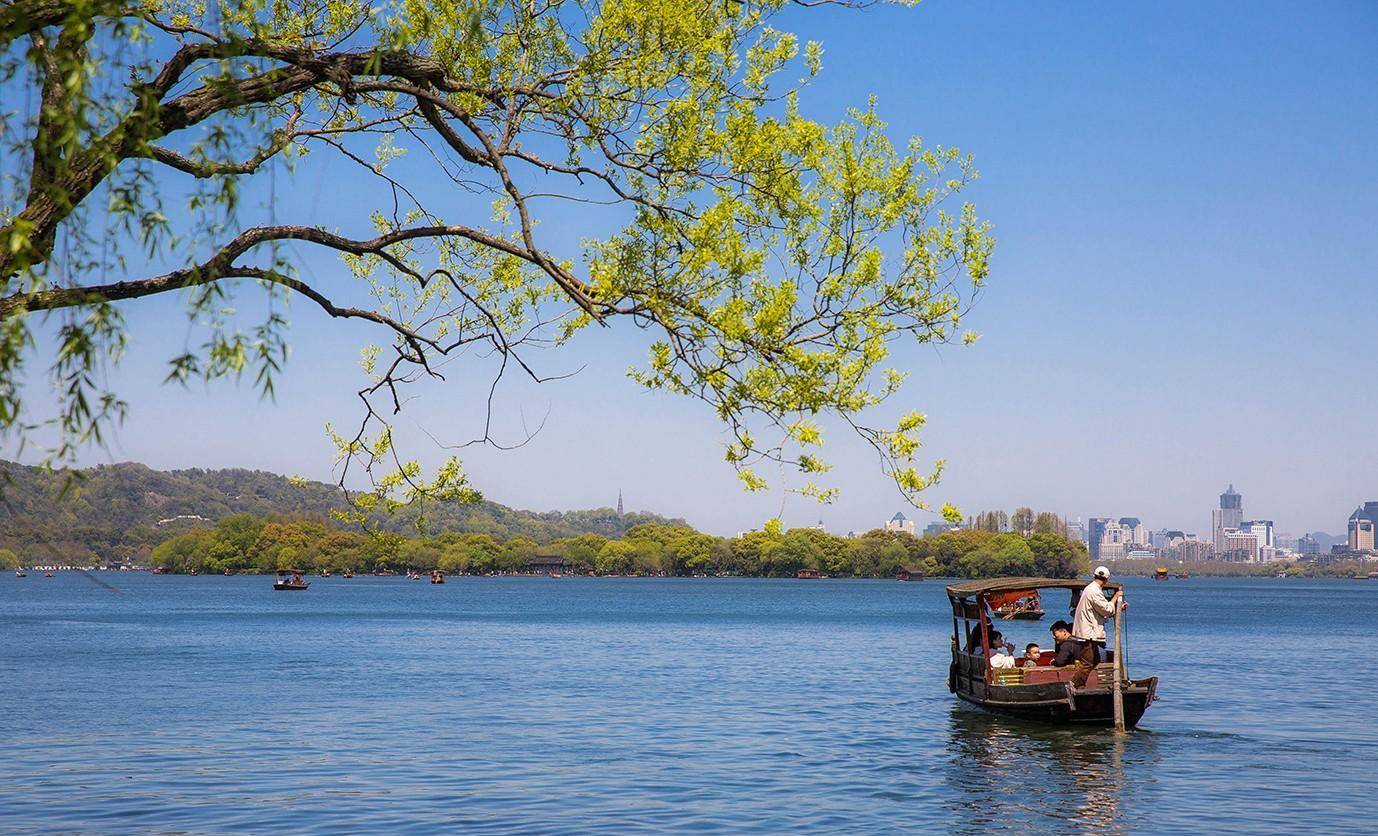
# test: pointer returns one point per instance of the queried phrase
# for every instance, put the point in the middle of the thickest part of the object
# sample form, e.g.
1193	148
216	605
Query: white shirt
1092	610
1000	659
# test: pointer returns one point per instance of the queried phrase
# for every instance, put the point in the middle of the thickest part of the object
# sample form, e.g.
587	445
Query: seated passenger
1031	654
1001	651
1075	652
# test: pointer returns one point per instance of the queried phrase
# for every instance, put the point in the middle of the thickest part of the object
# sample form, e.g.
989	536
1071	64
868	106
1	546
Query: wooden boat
1020	605
437	576
905	574
1160	574
290	580
20	573
349	573
47	574
228	573
1033	692
1181	576
159	570
809	574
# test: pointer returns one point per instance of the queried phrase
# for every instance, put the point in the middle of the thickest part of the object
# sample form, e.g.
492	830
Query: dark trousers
1086	662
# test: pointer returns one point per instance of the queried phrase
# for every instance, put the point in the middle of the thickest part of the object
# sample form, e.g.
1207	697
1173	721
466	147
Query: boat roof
971	589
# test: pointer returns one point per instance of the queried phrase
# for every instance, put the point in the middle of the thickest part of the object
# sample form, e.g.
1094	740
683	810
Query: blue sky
1185	197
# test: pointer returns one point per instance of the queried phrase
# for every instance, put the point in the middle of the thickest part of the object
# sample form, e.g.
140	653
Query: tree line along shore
248	543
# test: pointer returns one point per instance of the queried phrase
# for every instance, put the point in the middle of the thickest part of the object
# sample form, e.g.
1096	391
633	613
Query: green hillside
117	511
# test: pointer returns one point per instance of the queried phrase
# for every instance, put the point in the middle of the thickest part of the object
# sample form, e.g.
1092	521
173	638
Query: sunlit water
214	704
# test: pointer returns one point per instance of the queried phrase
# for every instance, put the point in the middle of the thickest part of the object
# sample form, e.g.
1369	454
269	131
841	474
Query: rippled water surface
507	705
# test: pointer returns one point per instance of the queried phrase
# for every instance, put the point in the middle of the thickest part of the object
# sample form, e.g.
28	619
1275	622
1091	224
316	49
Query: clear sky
1184	292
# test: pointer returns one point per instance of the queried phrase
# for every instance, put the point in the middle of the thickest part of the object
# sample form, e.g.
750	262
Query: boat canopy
972	589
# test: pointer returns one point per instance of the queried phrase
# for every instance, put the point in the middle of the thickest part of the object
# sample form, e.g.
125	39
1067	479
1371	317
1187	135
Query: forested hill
117	510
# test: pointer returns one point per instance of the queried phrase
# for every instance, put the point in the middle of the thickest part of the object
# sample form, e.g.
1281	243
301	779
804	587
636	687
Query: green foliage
8	560
778	259
120	512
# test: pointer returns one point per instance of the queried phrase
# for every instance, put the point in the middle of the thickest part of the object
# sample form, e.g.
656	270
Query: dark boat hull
1091	707
290	587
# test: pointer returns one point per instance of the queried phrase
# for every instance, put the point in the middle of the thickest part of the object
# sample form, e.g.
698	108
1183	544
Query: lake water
527	705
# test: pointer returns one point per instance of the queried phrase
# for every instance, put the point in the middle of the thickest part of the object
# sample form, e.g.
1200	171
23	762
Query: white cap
1102	572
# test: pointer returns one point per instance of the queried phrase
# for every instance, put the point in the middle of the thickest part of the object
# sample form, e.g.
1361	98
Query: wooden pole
1119	665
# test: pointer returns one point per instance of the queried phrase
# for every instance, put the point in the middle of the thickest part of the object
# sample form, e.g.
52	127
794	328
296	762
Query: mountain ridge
123	509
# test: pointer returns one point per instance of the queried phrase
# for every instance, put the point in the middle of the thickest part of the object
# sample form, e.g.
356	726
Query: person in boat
1088	623
1032	653
1073	651
1001	651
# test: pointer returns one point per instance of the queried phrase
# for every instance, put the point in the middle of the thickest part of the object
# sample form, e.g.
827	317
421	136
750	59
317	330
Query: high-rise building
1229	515
1363	528
900	523
1119	538
1095	532
1263	533
1134	531
1240	546
935	528
1307	544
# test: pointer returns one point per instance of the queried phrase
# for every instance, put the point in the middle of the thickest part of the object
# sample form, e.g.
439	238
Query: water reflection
1010	774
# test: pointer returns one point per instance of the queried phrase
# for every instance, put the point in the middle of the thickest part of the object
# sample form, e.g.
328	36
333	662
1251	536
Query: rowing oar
1119	665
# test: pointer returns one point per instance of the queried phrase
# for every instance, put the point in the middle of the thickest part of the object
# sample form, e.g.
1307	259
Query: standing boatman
1088	624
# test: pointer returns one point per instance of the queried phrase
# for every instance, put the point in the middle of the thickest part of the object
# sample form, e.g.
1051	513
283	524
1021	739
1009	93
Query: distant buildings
1240	546
1117	538
936	528
1095	532
900	523
1362	524
1229	515
1190	549
1307	544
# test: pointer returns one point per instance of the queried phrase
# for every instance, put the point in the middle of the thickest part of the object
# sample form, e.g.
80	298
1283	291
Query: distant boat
325	573
1160	574
904	574
413	576
159	570
349	573
290	580
1181	576
47	574
809	574
228	573
437	576
1018	605
20	573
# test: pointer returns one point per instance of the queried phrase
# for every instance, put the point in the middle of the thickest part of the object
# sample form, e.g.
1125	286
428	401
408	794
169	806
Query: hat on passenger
1102	572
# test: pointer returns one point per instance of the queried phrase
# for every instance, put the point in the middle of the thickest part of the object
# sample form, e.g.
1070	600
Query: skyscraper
1229	515
1095	532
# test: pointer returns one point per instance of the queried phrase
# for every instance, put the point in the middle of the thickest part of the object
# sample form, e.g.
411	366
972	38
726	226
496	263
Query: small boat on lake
20	573
47	574
290	580
437	576
906	574
1181	576
1034	691
809	574
349	574
1020	605
1160	574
